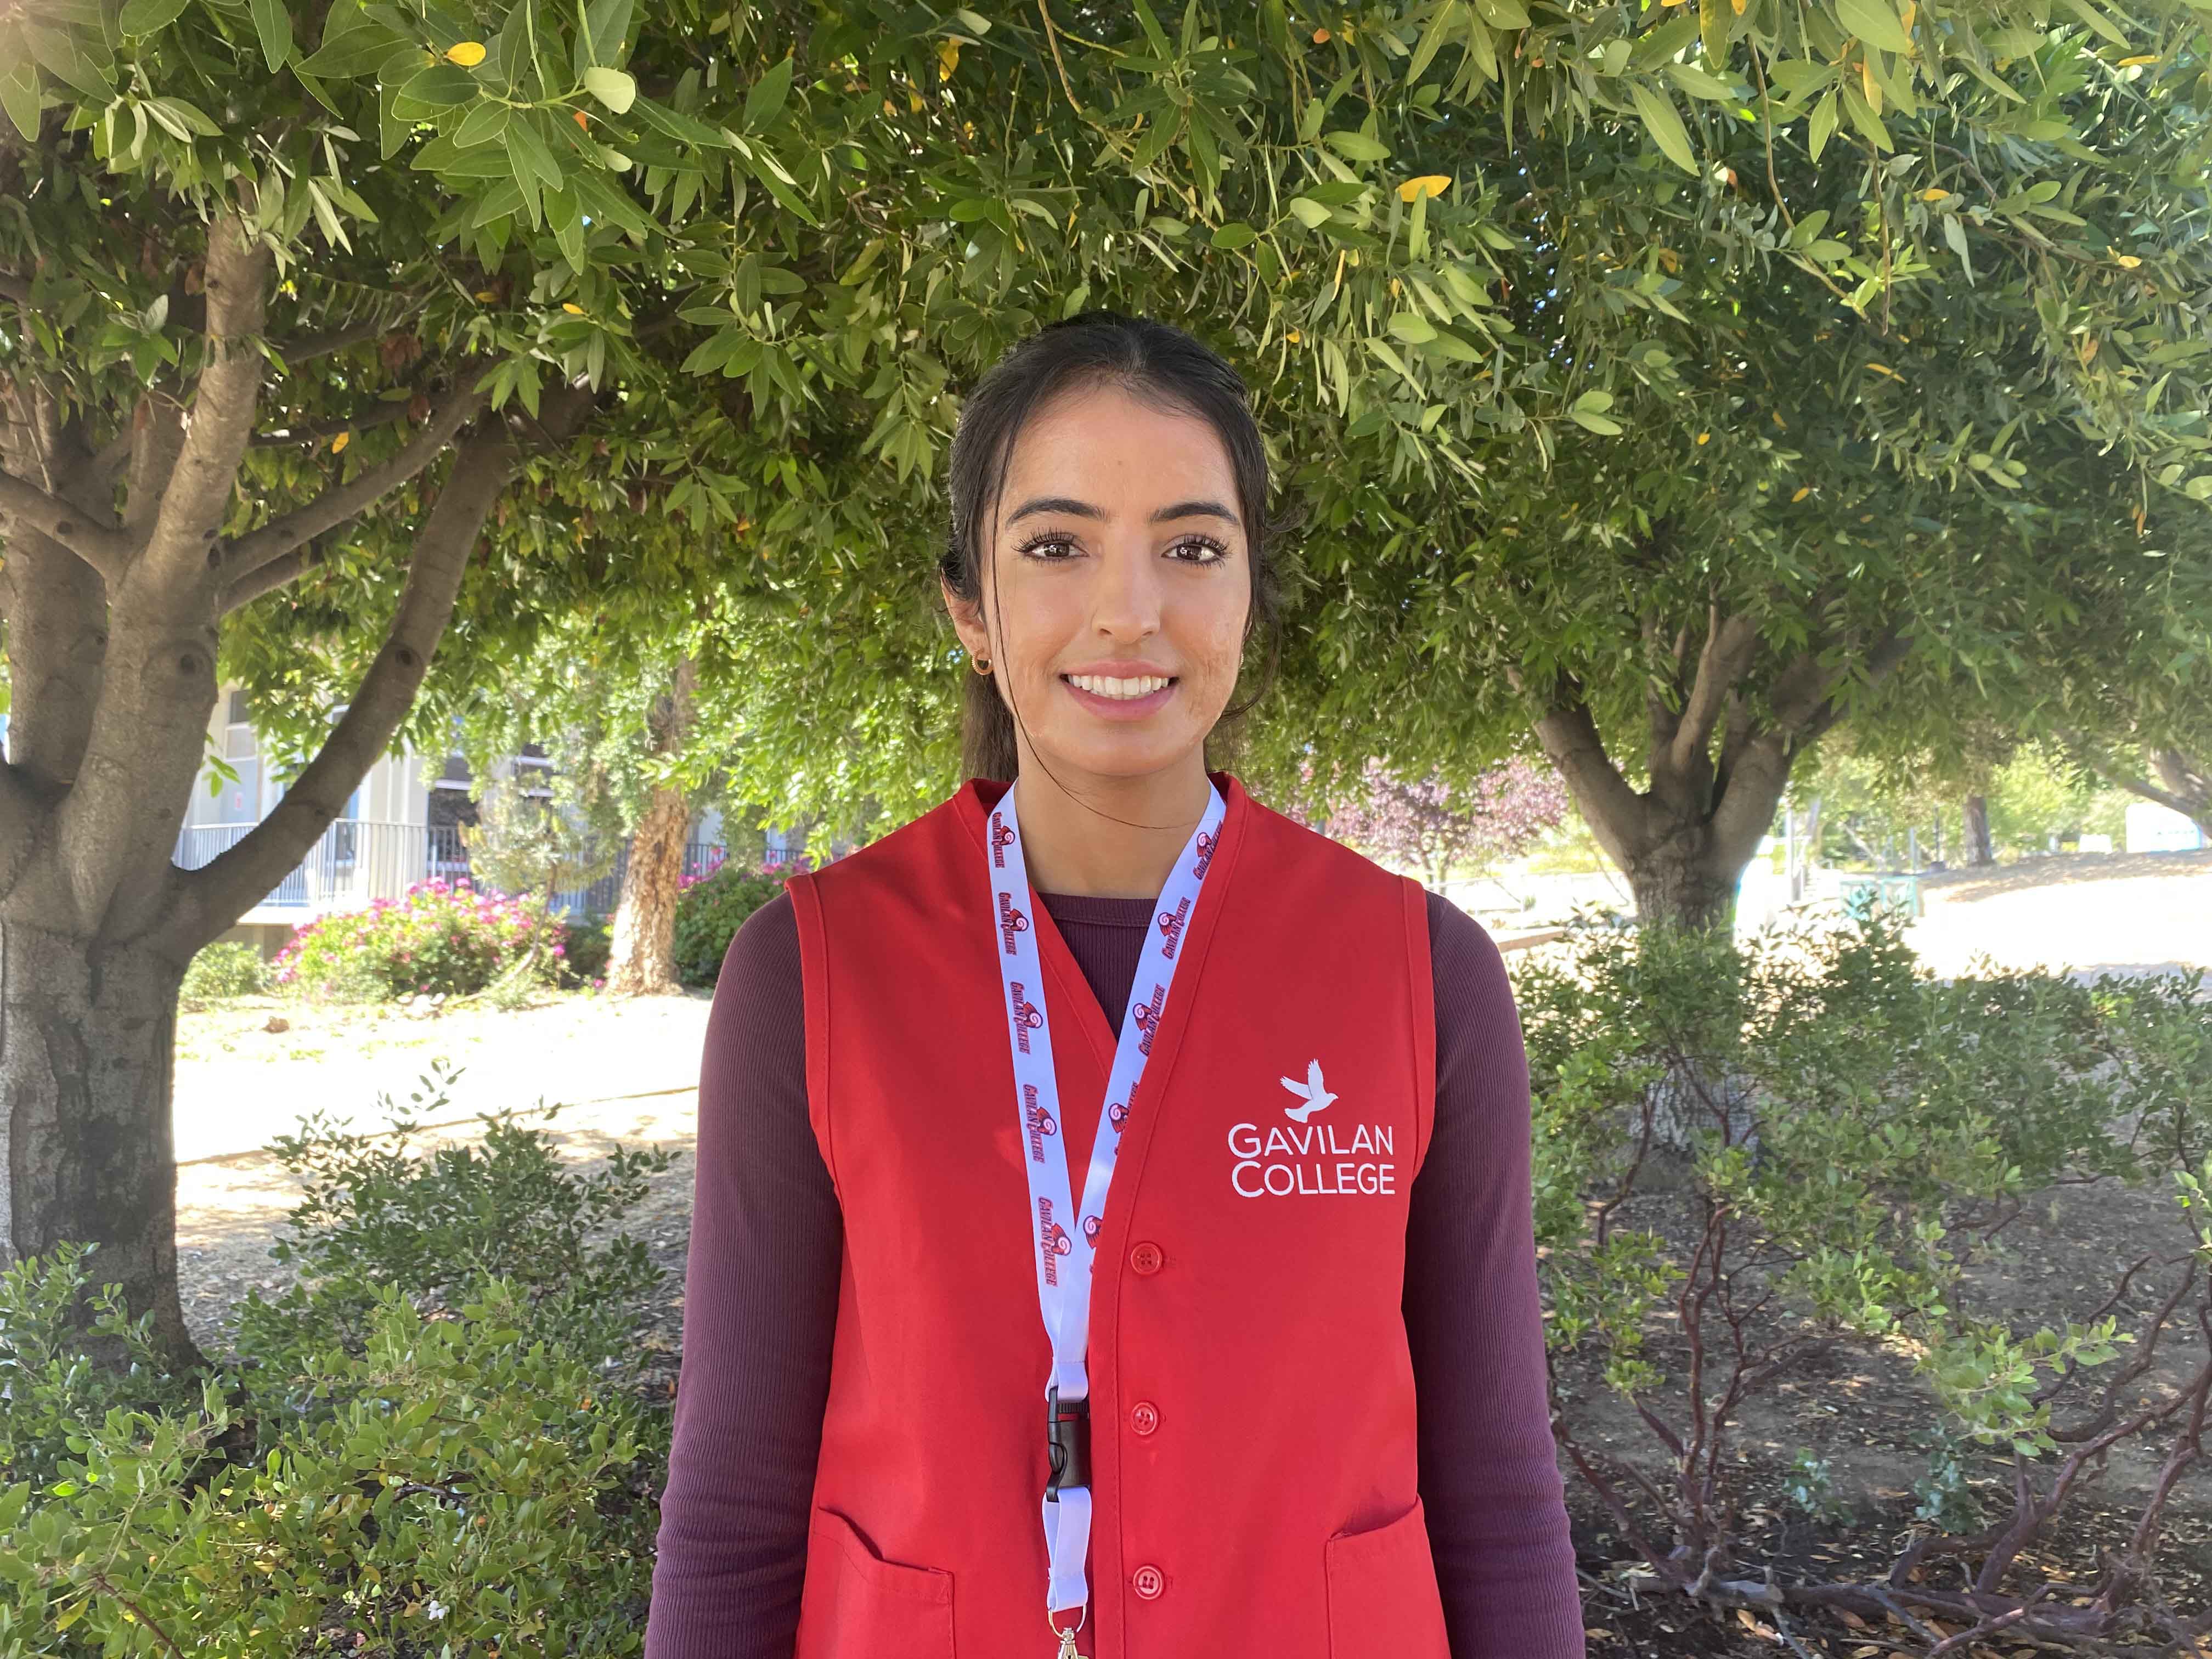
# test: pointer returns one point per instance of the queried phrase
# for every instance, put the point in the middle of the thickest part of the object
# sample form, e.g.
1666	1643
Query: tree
754	257
1433	827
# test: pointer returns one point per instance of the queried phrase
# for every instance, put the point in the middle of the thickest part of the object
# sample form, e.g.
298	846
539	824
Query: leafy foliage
439	1437
226	969
441	939
1887	1125
711	908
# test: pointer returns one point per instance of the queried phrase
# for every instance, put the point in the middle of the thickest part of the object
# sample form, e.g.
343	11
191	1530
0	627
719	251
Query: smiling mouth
1120	690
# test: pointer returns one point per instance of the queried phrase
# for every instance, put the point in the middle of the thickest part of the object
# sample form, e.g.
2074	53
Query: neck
1108	837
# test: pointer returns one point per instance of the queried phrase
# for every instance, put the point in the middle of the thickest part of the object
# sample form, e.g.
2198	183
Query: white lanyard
1064	1247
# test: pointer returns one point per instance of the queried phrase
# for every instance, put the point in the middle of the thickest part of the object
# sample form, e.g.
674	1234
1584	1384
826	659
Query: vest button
1146	1257
1147	1581
1144	1417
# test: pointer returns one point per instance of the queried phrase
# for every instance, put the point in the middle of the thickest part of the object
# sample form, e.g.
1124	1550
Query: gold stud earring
982	665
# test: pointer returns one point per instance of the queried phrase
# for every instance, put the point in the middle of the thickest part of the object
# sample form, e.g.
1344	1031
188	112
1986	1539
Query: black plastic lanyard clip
1067	1441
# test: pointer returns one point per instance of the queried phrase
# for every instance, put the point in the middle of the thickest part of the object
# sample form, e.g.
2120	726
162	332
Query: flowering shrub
710	908
443	937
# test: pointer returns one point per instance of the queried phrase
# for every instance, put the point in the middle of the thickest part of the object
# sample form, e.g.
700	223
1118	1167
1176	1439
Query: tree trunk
1688	881
641	954
86	1035
1975	832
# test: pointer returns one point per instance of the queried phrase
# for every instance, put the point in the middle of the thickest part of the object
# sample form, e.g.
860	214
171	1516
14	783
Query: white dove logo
1313	1091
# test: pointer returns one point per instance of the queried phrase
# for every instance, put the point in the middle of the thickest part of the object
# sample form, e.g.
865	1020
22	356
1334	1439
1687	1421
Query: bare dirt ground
1864	1413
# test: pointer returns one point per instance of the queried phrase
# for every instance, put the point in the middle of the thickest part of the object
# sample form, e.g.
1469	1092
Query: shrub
426	1447
228	968
1853	1136
459	1485
443	937
589	941
709	910
373	1213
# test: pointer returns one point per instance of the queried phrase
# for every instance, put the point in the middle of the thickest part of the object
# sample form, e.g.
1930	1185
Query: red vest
1252	1429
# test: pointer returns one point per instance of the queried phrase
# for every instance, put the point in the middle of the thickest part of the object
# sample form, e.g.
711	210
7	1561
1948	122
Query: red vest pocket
1383	1602
856	1604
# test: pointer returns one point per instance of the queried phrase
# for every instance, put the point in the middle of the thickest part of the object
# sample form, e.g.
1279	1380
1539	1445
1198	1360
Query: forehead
1101	445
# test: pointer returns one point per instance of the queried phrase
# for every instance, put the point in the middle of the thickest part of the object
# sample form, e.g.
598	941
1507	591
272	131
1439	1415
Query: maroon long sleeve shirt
761	1290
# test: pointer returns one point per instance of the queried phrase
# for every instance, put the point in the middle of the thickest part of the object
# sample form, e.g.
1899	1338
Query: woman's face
1118	560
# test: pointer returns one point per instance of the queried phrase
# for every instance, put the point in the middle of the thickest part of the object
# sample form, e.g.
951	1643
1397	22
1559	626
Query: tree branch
1891	649
1570	736
1730	646
333	507
381	415
213	898
203	483
215	894
309	346
106	550
284	568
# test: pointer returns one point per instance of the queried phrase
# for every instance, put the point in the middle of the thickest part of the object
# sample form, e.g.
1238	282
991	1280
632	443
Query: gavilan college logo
1307	1156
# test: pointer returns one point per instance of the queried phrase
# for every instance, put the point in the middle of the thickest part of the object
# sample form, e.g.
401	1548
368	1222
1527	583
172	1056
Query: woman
1033	1310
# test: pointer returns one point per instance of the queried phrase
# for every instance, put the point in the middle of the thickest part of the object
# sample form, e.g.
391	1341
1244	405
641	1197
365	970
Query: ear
967	620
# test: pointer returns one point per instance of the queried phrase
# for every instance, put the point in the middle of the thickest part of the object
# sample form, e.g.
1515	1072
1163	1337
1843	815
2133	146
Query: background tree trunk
1974	830
641	952
87	1031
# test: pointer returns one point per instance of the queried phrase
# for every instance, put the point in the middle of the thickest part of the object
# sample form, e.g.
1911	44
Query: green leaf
352	46
766	96
618	92
1604	426
1592	403
1412	328
1821	127
1441	23
1875	22
1312	215
438	86
485	124
1229	238
1355	146
680	126
1714	18
143	17
1664	126
605	23
1503	14
273	25
19	95
1700	83
2096	20
1153	33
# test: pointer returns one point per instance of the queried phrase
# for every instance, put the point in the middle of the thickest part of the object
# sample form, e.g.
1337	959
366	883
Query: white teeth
1099	686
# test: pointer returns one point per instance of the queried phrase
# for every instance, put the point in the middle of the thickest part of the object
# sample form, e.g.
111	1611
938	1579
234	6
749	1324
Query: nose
1127	601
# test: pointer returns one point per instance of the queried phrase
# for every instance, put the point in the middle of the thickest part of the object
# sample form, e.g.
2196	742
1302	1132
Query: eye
1047	546
1198	548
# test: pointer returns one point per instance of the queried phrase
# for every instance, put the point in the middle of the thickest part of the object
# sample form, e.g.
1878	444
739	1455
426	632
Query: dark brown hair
1161	365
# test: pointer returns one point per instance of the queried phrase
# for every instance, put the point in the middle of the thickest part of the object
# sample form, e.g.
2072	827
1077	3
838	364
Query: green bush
460	1484
709	910
1747	1152
228	968
443	937
373	1213
429	1446
589	942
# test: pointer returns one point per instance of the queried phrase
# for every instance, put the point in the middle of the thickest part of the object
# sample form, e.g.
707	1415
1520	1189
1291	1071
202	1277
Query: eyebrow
1069	505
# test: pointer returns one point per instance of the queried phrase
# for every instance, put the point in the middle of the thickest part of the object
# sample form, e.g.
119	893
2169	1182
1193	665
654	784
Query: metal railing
357	861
